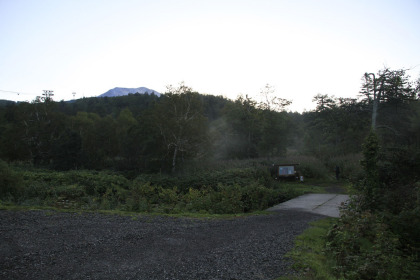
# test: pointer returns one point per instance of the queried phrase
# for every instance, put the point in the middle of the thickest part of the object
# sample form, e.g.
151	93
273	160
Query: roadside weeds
310	261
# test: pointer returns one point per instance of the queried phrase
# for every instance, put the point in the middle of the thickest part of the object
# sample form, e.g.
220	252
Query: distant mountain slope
4	102
118	91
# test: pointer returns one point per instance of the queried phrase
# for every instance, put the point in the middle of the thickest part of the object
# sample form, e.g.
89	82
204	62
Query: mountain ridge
120	91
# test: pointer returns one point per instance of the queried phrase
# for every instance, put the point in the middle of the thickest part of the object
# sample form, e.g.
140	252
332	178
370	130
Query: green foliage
256	196
370	185
337	127
182	125
10	182
364	247
229	192
350	168
377	234
210	179
308	254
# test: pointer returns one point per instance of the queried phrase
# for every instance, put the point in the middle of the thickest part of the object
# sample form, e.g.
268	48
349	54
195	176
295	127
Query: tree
271	102
125	124
388	86
371	184
273	123
324	102
43	126
13	144
243	128
182	126
274	130
66	151
337	126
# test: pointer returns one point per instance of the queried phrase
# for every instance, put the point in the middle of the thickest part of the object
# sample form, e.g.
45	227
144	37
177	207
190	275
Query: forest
188	152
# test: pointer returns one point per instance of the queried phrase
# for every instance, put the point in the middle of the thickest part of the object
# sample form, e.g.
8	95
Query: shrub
227	200
257	197
11	184
199	200
73	191
364	247
220	192
313	168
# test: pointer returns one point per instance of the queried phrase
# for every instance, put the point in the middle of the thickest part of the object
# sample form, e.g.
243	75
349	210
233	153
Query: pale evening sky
225	47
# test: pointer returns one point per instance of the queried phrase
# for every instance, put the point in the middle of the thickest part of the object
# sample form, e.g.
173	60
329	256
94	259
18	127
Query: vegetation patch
226	192
310	260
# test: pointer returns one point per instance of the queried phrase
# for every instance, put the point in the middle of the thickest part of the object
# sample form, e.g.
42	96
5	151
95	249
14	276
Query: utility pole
47	95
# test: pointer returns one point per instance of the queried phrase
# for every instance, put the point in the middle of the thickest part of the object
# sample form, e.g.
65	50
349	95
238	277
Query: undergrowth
231	187
222	192
310	260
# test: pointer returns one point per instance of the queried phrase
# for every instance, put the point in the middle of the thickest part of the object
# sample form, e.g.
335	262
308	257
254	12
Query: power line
18	92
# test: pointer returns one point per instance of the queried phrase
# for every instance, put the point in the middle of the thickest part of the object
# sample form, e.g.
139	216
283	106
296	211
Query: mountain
4	103
118	91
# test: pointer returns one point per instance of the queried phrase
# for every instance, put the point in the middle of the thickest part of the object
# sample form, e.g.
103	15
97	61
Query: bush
256	197
68	192
220	192
210	179
227	200
364	247
311	167
11	184
198	200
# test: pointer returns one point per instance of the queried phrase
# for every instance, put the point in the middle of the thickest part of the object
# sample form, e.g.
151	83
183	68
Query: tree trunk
374	113
174	159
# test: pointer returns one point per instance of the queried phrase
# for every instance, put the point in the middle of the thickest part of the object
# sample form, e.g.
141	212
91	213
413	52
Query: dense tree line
140	132
148	133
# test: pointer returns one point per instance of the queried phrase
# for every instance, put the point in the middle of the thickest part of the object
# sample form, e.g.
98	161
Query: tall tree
274	123
243	121
392	87
337	126
179	117
270	101
43	126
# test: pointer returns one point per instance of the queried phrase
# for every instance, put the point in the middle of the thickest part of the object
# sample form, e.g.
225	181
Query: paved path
323	204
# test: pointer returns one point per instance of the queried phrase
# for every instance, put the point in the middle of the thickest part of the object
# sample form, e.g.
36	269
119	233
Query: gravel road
55	245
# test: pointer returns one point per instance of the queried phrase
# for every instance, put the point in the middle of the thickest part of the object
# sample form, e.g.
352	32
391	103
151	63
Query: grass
295	189
310	262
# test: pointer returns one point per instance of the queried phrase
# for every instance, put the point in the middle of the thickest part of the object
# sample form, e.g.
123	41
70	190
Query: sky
221	47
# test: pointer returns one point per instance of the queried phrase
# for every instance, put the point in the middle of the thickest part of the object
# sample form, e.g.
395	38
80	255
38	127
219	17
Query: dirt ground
57	245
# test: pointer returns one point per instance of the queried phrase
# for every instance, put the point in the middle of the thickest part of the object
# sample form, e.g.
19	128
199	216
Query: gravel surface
55	245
